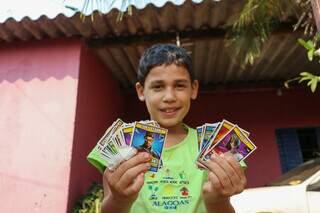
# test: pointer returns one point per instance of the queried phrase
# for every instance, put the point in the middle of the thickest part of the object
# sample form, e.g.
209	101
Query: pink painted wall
38	91
99	103
260	112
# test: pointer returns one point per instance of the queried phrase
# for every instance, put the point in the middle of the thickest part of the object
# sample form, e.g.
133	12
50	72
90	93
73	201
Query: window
297	146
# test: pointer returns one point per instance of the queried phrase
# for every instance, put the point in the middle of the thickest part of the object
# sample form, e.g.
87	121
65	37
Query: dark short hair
163	54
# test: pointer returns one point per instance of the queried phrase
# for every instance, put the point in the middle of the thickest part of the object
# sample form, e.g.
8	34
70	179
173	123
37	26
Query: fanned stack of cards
122	141
222	137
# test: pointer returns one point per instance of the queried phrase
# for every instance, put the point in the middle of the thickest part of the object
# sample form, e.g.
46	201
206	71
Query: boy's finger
219	172
214	180
131	174
125	166
136	186
228	169
235	164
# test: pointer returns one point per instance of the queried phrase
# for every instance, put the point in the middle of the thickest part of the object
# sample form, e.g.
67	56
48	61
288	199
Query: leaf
310	54
314	83
310	45
306	74
303	79
303	43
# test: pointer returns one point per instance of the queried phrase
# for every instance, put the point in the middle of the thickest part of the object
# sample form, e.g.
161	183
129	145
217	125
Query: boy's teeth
169	110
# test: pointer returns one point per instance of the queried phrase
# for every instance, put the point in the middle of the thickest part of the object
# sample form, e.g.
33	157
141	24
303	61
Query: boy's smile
168	91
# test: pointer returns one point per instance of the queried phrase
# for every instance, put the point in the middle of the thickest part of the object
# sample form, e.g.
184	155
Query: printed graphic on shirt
169	192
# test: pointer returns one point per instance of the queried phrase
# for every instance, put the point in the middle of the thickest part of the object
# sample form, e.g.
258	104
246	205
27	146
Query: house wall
38	91
258	111
99	103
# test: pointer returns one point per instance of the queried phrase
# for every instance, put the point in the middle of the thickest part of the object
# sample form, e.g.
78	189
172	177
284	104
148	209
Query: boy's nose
169	96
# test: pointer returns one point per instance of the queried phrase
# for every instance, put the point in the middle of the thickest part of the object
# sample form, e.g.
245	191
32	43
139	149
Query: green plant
251	28
91	201
312	52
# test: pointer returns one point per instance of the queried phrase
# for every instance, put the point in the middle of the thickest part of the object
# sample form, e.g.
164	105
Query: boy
166	84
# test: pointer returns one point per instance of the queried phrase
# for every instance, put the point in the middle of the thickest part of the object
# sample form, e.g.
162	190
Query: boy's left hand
225	178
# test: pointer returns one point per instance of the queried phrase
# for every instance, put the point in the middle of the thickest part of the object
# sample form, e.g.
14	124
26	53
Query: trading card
234	141
115	142
127	133
109	132
155	123
161	164
199	136
208	130
113	151
118	137
221	131
150	122
128	124
111	154
151	139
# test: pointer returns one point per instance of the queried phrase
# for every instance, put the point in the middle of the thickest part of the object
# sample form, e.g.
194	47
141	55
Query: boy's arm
221	206
109	205
121	186
225	179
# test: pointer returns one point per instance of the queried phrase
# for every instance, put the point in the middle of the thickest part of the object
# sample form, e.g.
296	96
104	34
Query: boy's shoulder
192	133
189	128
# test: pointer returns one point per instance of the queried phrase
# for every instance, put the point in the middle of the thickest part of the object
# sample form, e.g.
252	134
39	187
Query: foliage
312	51
252	26
250	29
91	201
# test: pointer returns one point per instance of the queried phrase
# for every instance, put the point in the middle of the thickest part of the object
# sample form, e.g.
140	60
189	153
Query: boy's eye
181	86
157	87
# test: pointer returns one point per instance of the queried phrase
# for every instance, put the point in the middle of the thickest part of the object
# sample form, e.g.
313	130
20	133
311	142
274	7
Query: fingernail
221	155
148	165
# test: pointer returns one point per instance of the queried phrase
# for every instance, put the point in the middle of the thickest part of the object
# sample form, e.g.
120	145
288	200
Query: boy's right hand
126	181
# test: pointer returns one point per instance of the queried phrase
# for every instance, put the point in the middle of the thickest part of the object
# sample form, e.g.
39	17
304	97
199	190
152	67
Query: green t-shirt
177	186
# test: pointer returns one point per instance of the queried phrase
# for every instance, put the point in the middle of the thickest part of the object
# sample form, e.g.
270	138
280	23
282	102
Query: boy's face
168	91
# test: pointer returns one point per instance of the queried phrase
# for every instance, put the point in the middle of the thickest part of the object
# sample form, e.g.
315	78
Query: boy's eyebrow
176	81
156	82
181	81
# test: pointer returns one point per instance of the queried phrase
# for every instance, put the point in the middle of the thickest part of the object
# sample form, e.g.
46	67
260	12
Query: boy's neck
175	135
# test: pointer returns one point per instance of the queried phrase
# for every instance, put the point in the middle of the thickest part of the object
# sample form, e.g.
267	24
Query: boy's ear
194	89
139	89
